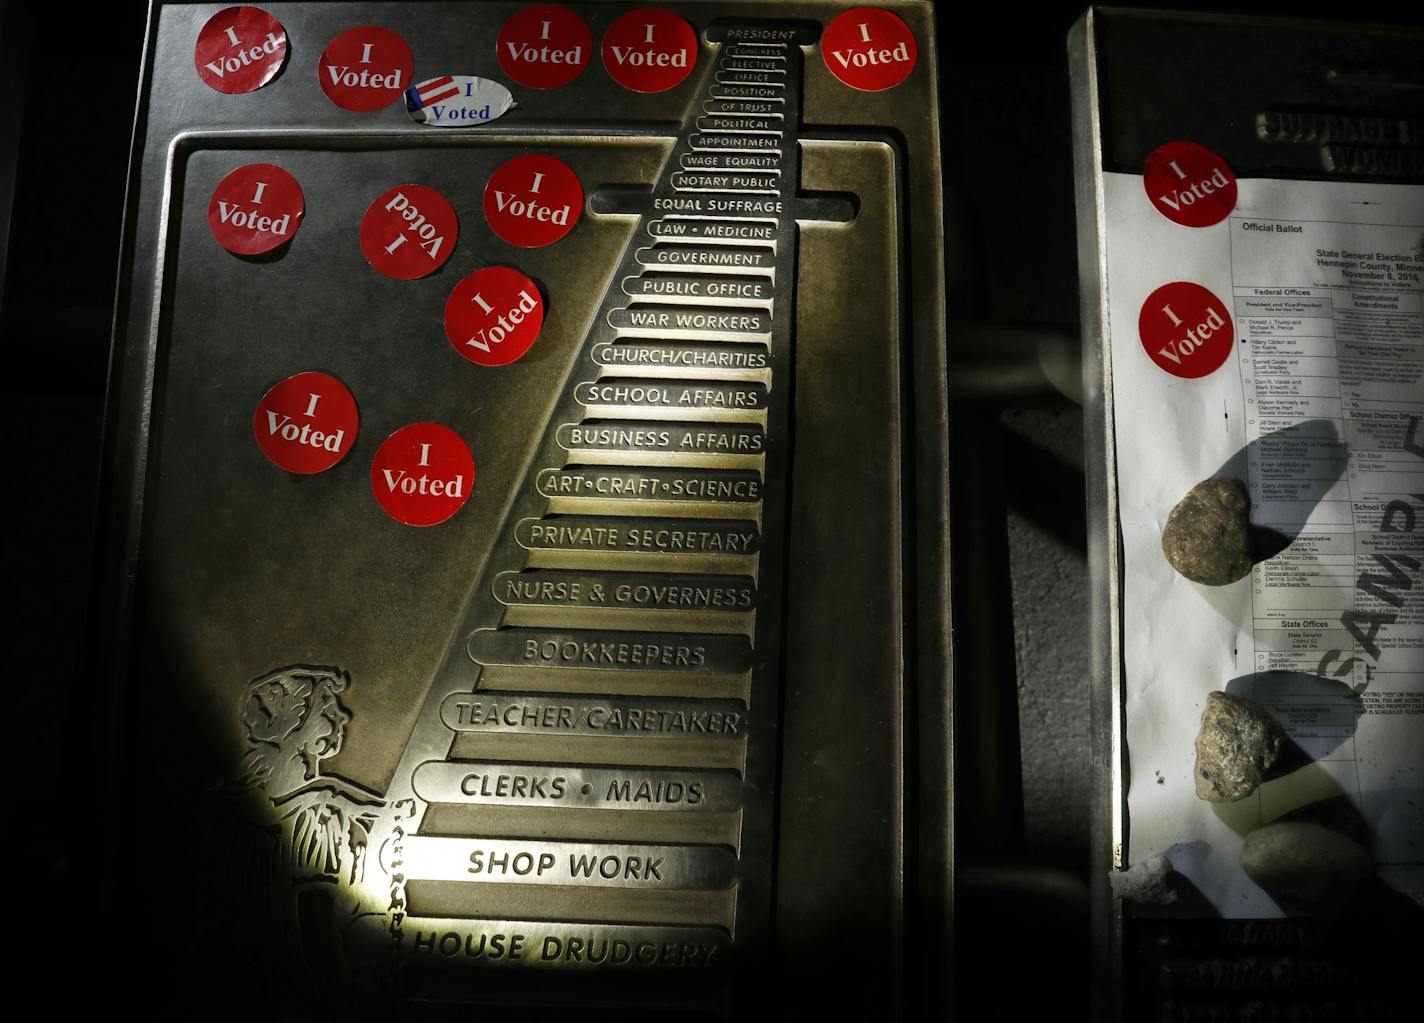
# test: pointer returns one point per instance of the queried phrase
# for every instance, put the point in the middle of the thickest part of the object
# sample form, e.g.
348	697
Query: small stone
1206	538
1304	866
1238	742
1147	882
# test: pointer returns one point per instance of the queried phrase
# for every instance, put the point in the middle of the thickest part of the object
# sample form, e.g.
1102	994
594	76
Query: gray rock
1148	882
1206	536
1304	866
1238	742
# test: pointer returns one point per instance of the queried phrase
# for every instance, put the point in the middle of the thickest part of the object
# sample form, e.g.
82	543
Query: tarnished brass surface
641	705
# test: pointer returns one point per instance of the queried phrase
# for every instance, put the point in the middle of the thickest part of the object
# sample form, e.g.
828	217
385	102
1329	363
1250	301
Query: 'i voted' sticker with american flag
454	101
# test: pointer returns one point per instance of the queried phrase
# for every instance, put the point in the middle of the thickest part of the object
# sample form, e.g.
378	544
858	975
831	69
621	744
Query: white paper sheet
1317	408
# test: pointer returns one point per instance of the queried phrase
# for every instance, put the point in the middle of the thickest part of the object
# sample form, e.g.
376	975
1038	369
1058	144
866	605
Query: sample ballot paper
1282	345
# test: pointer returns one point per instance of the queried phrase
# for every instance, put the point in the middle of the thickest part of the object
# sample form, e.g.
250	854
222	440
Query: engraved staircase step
641	591
577	786
642	867
712	359
655	443
683	258
626	650
708	399
620	484
714	231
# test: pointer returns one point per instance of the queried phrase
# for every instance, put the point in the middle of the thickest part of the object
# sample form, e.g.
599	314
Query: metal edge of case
105	644
932	681
1108	823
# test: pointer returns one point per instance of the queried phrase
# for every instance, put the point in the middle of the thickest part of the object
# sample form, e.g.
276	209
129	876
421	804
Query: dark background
67	92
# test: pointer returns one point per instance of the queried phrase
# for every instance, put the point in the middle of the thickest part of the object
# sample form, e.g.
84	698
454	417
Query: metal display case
1279	101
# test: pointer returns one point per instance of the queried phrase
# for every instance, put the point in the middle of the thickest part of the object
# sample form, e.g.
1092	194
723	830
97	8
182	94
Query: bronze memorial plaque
525	577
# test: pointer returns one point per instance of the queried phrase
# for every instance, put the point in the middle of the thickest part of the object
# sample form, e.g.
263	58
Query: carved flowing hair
294	719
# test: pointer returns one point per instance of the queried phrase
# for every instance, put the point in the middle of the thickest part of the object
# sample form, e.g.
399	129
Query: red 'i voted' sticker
544	46
240	49
255	209
869	49
1189	184
409	232
493	316
423	474
364	68
649	50
1185	329
533	200
307	423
